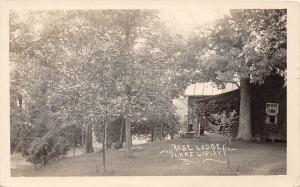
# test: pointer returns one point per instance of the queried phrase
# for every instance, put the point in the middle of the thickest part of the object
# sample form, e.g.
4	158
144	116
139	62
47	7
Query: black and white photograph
149	94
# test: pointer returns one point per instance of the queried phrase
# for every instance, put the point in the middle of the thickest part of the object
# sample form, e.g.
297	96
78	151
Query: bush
117	145
51	145
182	132
226	121
37	151
214	111
20	138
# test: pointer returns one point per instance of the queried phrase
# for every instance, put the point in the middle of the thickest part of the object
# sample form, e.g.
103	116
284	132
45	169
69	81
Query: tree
243	48
92	67
33	80
140	69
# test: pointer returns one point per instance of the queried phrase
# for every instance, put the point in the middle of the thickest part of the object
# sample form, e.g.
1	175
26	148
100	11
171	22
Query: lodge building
268	110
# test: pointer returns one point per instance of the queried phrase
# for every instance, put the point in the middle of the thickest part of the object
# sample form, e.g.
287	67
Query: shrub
21	139
226	121
51	145
38	151
117	145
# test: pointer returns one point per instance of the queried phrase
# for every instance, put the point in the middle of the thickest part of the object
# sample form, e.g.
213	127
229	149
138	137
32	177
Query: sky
184	20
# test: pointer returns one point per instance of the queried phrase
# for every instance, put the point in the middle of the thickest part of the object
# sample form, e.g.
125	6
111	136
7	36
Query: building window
272	112
272	109
271	120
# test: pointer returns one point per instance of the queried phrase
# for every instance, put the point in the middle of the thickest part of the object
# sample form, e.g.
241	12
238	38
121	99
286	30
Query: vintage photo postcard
150	93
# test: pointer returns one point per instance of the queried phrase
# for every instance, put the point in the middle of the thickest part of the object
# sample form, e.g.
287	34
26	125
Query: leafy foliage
245	43
243	47
81	68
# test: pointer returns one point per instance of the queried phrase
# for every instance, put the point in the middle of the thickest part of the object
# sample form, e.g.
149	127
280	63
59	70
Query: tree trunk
121	133
74	131
162	132
172	132
128	137
104	145
199	126
152	135
244	131
82	140
105	136
89	139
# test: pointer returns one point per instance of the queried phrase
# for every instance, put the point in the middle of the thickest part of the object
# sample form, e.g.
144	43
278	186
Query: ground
247	158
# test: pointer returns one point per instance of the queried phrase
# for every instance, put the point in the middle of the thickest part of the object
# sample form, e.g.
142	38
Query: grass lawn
248	159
